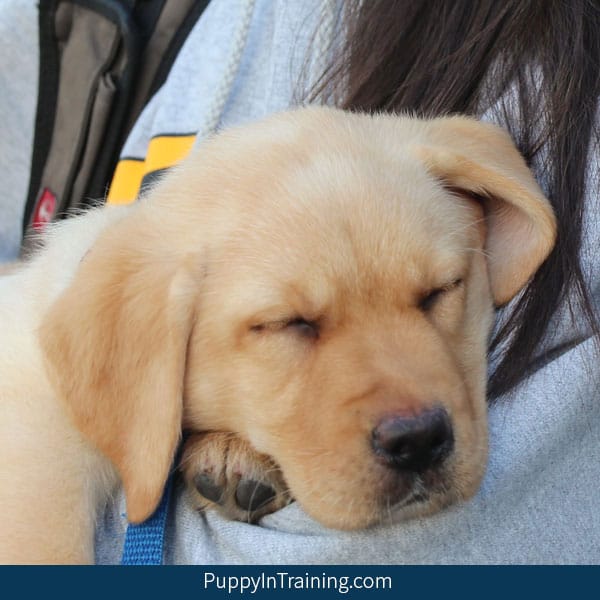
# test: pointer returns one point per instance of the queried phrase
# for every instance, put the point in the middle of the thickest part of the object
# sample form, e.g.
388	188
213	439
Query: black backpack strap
88	54
100	62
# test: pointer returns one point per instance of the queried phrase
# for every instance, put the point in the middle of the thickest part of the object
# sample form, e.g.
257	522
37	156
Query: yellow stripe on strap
166	151
163	152
126	181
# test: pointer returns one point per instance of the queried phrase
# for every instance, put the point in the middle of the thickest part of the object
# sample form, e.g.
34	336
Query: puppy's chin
420	502
385	498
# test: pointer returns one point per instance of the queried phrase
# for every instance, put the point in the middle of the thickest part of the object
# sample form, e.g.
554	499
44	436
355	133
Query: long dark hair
435	57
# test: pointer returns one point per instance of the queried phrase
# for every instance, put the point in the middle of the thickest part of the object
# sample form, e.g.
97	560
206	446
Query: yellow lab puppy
321	284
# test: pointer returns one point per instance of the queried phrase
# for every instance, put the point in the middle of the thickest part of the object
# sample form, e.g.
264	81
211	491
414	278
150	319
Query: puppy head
321	283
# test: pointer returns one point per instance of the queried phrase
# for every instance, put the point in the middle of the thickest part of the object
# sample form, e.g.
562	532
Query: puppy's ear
480	160
115	347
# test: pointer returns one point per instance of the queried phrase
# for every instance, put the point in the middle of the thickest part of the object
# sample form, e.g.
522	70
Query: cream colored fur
134	322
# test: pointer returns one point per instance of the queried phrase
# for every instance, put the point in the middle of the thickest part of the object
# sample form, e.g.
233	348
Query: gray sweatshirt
540	498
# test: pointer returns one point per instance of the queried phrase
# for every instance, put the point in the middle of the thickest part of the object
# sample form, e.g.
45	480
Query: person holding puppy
530	67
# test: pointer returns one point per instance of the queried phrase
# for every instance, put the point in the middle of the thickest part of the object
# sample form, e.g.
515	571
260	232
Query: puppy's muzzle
414	444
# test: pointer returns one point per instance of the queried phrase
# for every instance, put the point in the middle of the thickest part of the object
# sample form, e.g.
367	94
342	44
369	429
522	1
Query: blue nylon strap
144	543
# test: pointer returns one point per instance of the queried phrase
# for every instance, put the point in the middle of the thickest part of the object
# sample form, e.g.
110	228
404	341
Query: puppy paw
223	471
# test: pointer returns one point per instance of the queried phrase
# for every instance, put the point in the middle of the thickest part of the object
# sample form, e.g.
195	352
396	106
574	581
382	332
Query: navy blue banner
223	582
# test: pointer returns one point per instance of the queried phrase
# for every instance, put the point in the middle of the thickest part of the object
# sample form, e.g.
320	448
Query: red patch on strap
44	210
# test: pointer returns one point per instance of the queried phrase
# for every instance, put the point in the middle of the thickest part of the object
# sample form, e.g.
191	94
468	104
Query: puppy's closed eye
305	328
430	298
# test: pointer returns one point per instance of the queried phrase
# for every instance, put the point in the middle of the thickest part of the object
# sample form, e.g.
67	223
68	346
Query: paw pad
206	485
251	495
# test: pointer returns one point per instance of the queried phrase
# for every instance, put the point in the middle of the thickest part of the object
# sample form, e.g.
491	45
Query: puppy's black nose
414	443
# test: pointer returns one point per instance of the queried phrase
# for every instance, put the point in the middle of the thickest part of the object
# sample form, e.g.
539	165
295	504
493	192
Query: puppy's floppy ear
480	159
115	346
